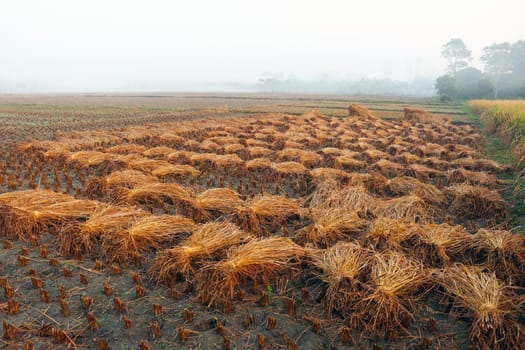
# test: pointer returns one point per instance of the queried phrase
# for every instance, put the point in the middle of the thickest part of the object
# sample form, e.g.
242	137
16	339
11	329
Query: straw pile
387	307
490	304
409	208
208	241
259	261
270	208
476	202
216	202
107	220
32	212
150	233
343	267
329	227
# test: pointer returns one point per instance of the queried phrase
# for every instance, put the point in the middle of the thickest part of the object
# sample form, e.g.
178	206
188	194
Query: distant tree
517	59
457	55
467	82
446	87
485	88
497	61
272	81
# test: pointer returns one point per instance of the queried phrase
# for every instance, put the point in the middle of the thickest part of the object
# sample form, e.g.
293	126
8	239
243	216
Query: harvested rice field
282	230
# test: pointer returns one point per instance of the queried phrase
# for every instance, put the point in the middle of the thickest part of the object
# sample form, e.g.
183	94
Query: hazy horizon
66	46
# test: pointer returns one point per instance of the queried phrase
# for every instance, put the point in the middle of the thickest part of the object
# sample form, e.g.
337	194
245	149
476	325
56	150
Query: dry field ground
252	222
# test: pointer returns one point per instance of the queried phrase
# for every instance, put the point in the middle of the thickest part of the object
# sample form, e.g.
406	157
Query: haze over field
69	46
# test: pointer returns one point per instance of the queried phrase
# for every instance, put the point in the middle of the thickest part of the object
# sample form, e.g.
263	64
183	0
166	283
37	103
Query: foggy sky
73	45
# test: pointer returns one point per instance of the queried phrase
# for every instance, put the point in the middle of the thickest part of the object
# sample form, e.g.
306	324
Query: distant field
40	116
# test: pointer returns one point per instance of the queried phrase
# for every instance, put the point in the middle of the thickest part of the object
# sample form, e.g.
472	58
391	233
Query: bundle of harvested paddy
179	171
110	185
405	185
389	234
476	178
307	158
180	157
161	195
147	165
407	158
343	266
502	252
476	202
106	220
126	148
27	213
210	146
258	164
270	209
477	164
355	110
290	169
159	152
435	244
147	234
423	172
352	198
236	148
388	168
86	159
205	243
228	163
421	116
329	227
203	160
348	163
374	155
259	261
216	201
436	163
386	308
373	182
489	303
171	139
320	175
409	208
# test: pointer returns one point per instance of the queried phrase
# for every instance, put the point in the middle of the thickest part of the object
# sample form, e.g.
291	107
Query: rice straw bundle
147	165
210	146
502	252
388	168
409	208
323	174
476	202
476	178
343	266
180	157
227	162
161	195
389	234
329	227
171	139
27	213
348	163
234	148
489	303
352	198
106	220
387	307
405	185
258	261
159	152
111	185
258	164
205	243
270	209
307	158
373	155
221	201
148	233
180	171
290	168
435	244
126	148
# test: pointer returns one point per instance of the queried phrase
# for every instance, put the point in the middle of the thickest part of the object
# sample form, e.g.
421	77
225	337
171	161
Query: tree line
503	74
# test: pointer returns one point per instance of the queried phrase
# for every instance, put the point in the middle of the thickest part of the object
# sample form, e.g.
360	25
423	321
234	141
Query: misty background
372	47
